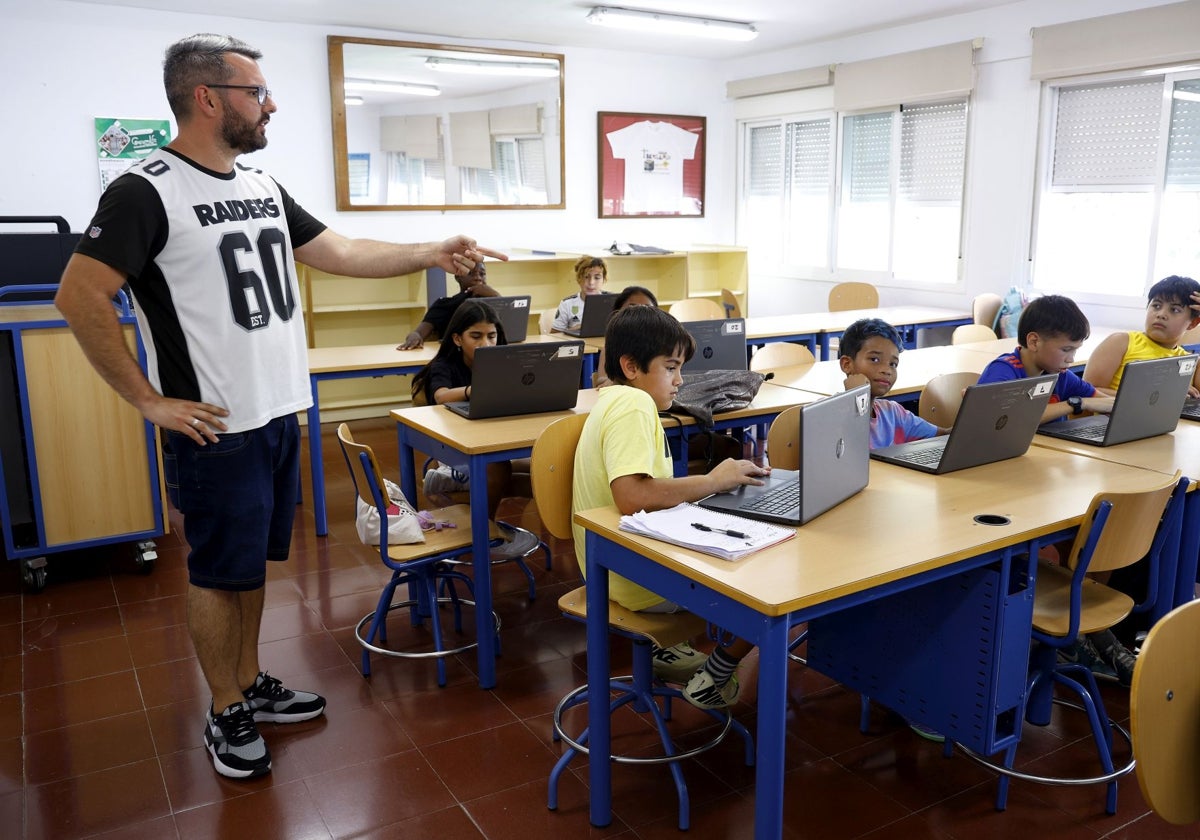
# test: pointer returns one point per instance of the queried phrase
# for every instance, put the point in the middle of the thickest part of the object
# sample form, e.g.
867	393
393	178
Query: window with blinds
899	173
517	176
1119	194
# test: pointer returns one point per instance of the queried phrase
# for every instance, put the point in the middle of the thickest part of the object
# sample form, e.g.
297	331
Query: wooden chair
1164	716
546	321
697	309
985	307
972	332
853	296
1118	530
552	477
729	300
420	566
779	354
783	444
942	396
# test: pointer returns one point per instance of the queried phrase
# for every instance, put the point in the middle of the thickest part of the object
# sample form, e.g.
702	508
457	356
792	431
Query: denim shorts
238	499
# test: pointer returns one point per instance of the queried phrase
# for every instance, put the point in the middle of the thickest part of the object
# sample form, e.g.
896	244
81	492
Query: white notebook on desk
719	534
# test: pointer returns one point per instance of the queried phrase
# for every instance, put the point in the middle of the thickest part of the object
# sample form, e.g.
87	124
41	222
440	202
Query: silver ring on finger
196	422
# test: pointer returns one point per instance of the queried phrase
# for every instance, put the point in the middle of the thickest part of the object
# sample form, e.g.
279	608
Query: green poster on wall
121	143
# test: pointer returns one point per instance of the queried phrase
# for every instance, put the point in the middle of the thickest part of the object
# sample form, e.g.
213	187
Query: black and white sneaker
237	750
272	703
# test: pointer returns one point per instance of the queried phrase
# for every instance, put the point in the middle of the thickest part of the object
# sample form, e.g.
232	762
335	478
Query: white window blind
867	157
933	149
531	156
809	152
470	139
1183	147
1107	134
765	172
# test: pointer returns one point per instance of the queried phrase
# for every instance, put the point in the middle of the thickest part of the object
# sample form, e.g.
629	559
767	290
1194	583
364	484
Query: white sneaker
703	693
442	480
677	664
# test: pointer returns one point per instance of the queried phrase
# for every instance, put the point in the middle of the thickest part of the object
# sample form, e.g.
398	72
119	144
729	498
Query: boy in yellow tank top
1173	308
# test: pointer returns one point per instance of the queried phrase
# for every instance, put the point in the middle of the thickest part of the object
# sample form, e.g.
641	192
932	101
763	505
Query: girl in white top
591	273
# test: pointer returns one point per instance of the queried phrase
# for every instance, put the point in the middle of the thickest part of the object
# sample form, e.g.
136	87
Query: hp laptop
720	345
513	379
1149	402
1191	409
593	322
514	315
995	422
834	439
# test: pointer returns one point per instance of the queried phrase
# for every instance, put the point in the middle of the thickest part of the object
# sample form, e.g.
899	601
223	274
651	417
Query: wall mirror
433	127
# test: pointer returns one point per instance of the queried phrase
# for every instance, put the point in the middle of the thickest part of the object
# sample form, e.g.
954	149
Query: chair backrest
546	321
1190	337
1128	533
853	296
942	396
779	354
972	332
552	470
1164	714
985	307
368	479
783	439
696	309
729	300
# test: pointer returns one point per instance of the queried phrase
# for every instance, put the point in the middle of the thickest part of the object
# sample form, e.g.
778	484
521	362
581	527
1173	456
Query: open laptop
1149	402
995	422
514	315
720	345
834	440
594	320
512	379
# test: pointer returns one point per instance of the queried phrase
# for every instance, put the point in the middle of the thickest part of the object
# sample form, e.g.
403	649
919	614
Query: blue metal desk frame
770	633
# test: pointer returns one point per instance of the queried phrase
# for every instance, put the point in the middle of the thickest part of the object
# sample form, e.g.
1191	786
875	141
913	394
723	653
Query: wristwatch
1076	404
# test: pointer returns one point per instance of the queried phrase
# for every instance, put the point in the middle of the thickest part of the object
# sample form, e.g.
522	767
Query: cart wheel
144	555
33	573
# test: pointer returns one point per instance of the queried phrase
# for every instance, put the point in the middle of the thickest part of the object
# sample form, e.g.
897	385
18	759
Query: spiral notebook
719	534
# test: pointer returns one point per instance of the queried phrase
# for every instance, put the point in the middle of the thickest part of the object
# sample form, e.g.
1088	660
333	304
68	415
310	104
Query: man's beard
241	135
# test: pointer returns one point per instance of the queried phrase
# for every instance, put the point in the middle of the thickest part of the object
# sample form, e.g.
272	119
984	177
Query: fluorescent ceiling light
392	87
662	22
354	100
544	69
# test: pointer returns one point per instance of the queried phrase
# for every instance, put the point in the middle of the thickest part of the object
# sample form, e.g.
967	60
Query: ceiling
561	23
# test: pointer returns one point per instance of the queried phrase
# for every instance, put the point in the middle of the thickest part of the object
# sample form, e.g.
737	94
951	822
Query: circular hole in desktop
992	519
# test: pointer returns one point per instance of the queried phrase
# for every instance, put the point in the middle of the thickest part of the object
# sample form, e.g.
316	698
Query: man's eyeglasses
260	92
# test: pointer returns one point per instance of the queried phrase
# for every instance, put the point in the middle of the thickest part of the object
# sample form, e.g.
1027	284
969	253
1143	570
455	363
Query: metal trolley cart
80	466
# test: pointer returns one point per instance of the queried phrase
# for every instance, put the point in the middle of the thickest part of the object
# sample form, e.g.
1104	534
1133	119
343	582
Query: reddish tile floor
101	707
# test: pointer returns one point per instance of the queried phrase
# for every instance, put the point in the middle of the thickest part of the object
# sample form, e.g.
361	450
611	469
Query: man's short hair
1174	289
199	60
643	332
856	336
1052	315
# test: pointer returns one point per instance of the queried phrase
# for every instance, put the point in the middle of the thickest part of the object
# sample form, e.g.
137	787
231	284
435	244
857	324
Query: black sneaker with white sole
272	703
232	739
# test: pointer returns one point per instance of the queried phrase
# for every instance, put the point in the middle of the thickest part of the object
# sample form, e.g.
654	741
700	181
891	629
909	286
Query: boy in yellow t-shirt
1172	309
622	459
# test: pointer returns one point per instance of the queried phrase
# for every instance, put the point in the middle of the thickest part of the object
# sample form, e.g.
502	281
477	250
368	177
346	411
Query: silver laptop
512	379
594	320
834	440
514	315
1191	409
1149	402
720	345
995	422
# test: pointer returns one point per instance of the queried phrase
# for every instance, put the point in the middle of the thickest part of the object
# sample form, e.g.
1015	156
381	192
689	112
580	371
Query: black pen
738	534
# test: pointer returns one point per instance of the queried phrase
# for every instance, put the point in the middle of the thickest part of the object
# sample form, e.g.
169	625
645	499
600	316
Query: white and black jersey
209	258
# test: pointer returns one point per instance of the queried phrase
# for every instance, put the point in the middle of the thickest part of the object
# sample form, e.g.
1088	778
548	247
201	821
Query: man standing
207	246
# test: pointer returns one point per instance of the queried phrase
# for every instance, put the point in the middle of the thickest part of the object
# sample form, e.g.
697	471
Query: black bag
704	394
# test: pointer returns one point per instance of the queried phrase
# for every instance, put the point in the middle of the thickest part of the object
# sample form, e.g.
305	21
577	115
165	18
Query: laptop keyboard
784	498
1191	410
926	456
1089	432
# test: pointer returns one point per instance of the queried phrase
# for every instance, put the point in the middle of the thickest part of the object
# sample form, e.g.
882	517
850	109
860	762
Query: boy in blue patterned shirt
869	355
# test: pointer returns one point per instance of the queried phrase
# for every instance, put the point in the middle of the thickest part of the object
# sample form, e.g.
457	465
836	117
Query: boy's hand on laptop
854	380
1098	404
730	474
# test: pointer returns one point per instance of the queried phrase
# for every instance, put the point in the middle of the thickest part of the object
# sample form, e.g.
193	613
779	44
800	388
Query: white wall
49	104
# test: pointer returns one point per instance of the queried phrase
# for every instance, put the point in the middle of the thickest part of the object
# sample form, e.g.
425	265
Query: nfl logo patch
94	231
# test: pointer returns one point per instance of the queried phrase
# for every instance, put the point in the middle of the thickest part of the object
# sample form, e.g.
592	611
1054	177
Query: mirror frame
337	107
